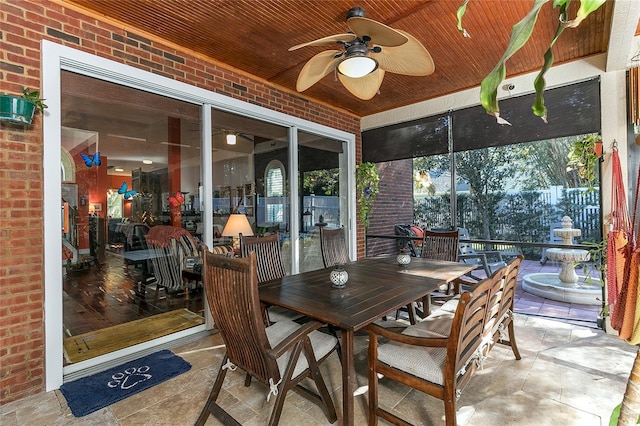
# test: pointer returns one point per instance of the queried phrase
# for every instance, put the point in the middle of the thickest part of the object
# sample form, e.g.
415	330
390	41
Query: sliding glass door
322	193
130	163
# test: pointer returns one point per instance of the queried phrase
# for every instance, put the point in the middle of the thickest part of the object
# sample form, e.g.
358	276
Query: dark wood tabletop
371	292
376	287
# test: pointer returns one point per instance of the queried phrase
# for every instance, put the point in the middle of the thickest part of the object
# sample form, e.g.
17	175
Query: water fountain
567	286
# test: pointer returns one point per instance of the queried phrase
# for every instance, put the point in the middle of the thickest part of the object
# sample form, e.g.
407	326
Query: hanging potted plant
584	156
367	178
21	109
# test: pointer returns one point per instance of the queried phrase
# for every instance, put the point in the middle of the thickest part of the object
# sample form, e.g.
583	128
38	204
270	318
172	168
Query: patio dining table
376	287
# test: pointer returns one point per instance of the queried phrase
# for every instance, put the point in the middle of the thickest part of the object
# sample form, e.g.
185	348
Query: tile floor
571	373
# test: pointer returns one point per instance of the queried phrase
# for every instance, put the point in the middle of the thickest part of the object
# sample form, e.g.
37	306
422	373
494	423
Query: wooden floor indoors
109	294
95	343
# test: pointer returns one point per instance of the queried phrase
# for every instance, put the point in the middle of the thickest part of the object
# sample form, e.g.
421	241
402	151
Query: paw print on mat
130	377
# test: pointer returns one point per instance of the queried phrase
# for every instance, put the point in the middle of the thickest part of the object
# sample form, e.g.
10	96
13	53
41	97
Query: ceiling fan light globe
231	139
357	66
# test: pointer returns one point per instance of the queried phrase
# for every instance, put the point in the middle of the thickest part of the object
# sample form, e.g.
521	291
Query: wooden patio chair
433	360
270	267
268	253
280	355
439	245
333	246
436	245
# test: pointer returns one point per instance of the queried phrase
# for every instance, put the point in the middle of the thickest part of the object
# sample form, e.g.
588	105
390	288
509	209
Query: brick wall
394	204
24	24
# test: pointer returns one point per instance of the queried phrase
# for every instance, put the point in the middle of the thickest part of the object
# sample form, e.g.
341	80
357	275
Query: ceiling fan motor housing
356	12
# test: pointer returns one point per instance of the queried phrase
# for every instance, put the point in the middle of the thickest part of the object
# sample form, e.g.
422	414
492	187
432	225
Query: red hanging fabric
632	273
619	248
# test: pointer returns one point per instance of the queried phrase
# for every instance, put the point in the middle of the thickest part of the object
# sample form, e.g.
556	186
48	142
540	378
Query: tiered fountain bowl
567	286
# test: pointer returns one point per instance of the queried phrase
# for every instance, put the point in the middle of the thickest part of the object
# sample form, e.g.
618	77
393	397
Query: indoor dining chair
169	247
333	245
281	355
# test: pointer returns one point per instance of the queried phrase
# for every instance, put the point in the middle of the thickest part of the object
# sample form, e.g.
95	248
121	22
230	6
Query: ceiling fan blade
379	33
365	87
409	59
326	41
316	68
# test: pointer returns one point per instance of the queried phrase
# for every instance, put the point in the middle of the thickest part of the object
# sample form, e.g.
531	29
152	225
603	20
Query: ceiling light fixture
147	162
182	145
126	137
356	63
231	138
118	169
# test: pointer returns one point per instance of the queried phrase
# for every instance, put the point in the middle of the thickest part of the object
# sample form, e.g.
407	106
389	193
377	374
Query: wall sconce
231	138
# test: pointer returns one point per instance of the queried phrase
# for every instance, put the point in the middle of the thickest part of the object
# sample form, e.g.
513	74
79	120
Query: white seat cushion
322	344
426	363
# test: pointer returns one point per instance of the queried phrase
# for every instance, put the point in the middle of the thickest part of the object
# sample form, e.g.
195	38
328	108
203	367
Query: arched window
274	178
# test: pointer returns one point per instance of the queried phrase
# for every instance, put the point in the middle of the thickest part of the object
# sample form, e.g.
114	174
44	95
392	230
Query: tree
548	160
321	182
487	171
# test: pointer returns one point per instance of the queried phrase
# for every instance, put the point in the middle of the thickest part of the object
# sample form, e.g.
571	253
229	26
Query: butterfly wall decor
177	199
127	193
90	161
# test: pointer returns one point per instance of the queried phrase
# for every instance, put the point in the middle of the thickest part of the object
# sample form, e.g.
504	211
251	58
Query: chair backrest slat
268	254
231	289
440	245
470	330
333	246
169	254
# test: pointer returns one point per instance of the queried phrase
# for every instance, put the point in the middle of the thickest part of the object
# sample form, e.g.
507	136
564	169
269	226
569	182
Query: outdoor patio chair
270	267
489	260
280	356
552	239
333	246
269	254
436	245
436	356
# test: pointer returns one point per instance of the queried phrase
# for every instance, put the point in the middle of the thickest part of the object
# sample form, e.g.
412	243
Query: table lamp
237	224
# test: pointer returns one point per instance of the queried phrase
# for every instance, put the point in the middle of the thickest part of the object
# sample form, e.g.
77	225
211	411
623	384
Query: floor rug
94	392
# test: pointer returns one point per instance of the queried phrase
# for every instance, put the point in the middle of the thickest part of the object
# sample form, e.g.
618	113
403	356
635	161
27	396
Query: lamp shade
237	224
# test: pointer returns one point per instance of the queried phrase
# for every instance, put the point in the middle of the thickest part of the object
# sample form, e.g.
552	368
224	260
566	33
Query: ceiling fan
368	50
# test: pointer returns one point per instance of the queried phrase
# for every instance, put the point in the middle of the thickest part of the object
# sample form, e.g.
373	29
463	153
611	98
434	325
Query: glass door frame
56	58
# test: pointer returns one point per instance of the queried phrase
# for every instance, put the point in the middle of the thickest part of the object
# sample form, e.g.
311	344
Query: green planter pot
17	110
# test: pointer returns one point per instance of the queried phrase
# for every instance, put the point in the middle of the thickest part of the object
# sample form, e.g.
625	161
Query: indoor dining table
376	287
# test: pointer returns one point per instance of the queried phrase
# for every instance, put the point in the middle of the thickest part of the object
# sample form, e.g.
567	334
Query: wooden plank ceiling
254	35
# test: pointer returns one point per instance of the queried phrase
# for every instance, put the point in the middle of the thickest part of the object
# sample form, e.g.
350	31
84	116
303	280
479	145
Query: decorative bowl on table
339	277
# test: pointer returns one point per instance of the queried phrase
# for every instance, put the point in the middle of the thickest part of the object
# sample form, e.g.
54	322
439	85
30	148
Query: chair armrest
286	344
482	257
438	342
492	253
478	255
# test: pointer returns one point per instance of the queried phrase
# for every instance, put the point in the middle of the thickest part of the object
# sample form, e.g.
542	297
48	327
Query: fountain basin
586	291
